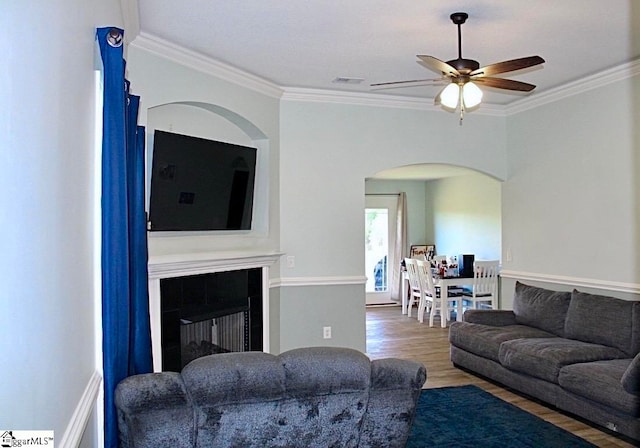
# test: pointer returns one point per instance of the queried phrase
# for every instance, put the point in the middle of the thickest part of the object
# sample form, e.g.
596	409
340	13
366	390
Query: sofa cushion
543	358
601	381
485	340
541	308
320	371
631	377
601	320
234	378
496	318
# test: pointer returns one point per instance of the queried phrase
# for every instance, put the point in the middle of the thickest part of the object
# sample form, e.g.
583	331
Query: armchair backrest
316	396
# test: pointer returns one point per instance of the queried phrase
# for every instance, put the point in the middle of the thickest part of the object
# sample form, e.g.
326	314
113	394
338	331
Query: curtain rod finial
114	38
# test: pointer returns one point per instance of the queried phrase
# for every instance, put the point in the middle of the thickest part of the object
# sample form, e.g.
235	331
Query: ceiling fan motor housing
464	66
458	18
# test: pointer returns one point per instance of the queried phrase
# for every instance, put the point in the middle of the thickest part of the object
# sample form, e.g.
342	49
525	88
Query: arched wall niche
210	121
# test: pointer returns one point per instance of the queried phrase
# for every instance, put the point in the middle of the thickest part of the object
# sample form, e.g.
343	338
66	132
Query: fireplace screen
210	313
224	334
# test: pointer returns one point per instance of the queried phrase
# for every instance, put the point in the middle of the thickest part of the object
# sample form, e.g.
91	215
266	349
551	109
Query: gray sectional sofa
311	397
576	351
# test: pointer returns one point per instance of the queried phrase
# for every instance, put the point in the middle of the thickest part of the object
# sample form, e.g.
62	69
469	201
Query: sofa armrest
631	377
495	318
154	410
392	373
395	388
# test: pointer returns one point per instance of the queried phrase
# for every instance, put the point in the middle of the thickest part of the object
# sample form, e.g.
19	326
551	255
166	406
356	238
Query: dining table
444	283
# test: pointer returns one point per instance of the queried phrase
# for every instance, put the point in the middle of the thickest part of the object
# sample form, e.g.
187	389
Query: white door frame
389	202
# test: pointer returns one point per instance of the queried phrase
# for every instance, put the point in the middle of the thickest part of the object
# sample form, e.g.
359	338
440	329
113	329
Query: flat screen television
200	184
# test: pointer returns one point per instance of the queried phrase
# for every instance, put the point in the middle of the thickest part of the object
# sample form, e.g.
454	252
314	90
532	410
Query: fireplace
210	313
206	303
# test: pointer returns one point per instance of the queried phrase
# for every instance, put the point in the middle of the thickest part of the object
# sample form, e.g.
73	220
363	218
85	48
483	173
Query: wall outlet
326	332
291	261
509	255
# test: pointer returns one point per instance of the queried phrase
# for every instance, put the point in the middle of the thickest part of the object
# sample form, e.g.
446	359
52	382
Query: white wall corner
78	423
131	19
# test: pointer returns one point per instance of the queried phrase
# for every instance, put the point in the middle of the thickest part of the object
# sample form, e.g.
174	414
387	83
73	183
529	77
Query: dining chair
429	300
484	289
415	293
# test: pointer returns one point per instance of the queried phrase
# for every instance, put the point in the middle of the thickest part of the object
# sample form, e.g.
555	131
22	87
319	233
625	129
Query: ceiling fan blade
411	83
507	66
501	83
436	100
437	65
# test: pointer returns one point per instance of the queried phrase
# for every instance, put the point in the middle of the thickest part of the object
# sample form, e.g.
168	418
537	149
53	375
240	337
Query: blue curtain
125	297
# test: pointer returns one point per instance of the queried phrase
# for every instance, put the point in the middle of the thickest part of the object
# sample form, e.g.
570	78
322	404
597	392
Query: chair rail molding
318	281
632	288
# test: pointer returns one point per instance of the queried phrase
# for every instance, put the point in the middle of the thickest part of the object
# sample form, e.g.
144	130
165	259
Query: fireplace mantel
195	263
176	265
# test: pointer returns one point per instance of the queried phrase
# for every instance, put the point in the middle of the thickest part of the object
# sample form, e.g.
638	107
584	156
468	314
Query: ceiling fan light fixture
450	96
471	95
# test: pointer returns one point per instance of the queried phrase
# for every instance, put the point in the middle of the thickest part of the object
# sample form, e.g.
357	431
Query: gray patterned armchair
310	397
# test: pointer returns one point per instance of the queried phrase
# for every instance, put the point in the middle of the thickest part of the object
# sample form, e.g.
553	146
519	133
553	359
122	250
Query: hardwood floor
391	334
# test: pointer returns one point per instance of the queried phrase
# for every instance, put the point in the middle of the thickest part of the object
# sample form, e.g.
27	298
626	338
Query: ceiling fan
462	74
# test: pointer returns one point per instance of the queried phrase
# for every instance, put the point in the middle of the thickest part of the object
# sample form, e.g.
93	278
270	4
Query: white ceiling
306	44
309	43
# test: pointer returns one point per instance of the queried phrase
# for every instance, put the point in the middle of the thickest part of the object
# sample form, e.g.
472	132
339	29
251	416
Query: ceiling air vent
347	80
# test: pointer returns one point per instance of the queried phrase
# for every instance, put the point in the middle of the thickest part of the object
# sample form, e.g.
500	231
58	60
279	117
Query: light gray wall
571	201
321	154
305	310
326	152
47	93
465	215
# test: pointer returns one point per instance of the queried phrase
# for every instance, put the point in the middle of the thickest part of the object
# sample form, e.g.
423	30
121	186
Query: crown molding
205	64
600	79
375	100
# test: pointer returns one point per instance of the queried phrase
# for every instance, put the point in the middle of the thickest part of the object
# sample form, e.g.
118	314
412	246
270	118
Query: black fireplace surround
200	299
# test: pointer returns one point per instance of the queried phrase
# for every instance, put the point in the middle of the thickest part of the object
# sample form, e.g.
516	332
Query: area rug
467	416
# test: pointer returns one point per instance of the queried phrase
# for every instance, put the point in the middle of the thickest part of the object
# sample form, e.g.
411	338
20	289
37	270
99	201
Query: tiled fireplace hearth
196	264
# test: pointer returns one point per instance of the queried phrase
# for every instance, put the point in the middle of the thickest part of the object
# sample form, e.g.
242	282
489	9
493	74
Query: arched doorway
454	208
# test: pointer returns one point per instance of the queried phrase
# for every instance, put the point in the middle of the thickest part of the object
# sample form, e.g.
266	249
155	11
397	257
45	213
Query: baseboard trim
78	423
631	288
